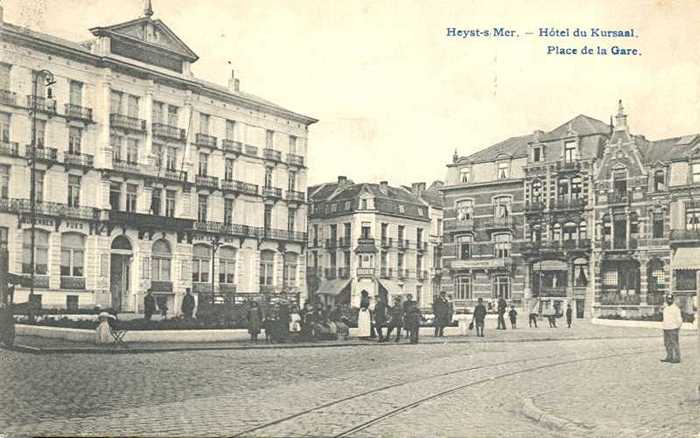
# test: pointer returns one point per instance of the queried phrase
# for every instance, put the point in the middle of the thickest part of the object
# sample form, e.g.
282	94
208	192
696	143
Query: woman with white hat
103	331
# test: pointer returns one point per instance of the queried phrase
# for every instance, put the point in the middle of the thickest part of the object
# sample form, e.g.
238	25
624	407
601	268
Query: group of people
150	308
404	315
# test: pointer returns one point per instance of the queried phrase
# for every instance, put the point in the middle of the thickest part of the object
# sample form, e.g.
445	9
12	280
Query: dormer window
537	154
570	152
465	175
402	209
659	181
504	170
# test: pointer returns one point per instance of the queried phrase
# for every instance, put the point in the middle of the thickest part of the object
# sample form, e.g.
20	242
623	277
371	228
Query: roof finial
620	108
455	157
148	9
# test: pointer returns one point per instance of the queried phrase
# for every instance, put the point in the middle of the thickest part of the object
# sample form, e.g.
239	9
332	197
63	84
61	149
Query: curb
138	350
531	411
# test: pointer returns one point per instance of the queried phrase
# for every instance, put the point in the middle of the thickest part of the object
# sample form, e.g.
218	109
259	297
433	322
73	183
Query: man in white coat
671	325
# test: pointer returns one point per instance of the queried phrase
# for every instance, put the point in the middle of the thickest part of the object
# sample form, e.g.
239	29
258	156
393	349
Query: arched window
201	261
161	261
569	231
290	269
121	242
464	243
227	265
72	255
267	265
41	252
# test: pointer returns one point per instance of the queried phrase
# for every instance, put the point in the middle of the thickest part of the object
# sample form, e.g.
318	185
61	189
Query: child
513	314
568	315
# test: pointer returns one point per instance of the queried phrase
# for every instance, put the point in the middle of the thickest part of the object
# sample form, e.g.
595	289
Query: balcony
72	282
47	209
149	221
365	272
568	204
331	273
272	192
345	242
458	226
618	198
78	159
386	273
295	160
239	187
582	244
78	112
344	273
501	223
421	246
205	140
568	165
251	150
127	166
402	244
402	274
128	123
685	236
43	154
331	243
294	196
229	229
171	174
366	245
8	97
235	147
211	182
168	132
272	155
42	104
9	148
285	235
201	287
533	207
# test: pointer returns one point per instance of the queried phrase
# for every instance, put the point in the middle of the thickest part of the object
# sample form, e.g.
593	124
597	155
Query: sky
396	96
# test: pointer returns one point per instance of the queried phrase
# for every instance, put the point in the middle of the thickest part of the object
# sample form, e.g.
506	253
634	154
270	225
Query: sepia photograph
350	218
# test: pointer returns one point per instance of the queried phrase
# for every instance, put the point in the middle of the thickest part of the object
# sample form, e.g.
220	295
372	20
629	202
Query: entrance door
119	280
579	309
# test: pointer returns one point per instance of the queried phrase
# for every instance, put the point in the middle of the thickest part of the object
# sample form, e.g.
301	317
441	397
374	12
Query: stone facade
144	173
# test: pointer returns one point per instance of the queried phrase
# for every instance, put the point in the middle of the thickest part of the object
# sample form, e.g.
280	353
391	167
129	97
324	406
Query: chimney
384	183
418	188
234	84
342	180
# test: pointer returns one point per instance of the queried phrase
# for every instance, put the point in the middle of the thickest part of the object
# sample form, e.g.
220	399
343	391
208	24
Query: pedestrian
480	317
7	325
163	304
395	319
406	304
187	304
533	313
502	306
673	320
103	331
295	320
552	316
364	320
441	312
513	315
412	321
569	313
340	322
149	305
283	320
255	320
380	317
308	320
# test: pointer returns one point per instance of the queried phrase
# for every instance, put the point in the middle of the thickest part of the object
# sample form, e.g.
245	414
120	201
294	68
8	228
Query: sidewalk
580	331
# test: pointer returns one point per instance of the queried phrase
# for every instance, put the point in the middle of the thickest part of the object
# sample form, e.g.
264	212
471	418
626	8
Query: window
204	123
170	203
5	76
402	209
576	187
419	264
268	177
686	280
582	230
267	264
463	287
292	181
228	169
132	151
115	99
385	232
227	265
203	164
74	139
610	279
536	191
658	226
39	186
157	112
75	93
131	194
556	232
501	287
115	195
117	142
171	158
503	170
570	152
502	245
292	144
228	211
72	255
465	210
201	260
695	172
133	106
40	133
5	127
4	181
364	204
156	201
659	181
501	207
269	139
202	204
291	220
400	233
366	230
290	269
72	302
620	182
657	277
334	207
41	252
537	154
3	237
230	130
580	277
464	245
40	78
267	218
563	186
73	191
465	175
399	263
161	261
172	115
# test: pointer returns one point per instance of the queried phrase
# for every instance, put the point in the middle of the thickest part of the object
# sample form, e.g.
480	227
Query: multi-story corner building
373	237
147	177
586	214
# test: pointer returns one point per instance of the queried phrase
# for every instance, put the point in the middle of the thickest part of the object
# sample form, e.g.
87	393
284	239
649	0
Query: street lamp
49	80
215	244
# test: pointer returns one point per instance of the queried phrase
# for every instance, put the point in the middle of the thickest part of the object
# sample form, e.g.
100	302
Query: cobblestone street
597	386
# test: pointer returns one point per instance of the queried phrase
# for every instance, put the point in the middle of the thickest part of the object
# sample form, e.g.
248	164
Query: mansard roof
581	125
669	149
350	191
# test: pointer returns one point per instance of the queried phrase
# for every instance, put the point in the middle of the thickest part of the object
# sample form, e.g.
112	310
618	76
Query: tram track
259	429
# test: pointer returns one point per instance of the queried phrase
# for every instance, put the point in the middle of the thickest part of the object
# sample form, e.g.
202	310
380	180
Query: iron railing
78	112
127	122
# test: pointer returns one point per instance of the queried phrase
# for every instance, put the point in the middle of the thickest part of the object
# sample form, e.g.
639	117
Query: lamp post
49	81
215	244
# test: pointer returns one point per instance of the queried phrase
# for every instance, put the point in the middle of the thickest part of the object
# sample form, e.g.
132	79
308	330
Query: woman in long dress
103	330
254	321
364	320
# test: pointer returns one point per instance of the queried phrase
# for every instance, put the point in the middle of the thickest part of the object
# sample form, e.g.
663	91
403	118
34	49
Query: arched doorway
120	272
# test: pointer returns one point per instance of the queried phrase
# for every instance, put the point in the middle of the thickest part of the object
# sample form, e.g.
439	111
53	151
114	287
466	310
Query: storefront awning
686	258
391	287
333	287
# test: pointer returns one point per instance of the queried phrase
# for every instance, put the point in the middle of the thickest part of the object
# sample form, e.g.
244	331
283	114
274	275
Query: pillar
643	281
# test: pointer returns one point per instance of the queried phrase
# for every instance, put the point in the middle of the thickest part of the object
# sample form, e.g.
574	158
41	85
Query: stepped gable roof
669	149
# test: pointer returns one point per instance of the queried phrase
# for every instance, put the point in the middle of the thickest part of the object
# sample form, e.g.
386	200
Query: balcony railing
72	282
171	174
272	192
239	187
344	273
126	122
207	181
566	203
126	166
618	197
534	206
78	159
232	146
421	246
331	243
205	140
295	160
12	205
251	150
402	274
402	244
168	131
271	154
78	112
331	273
42	103
9	148
386	272
43	154
387	242
8	97
142	220
569	165
345	242
287	235
230	229
365	272
295	196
